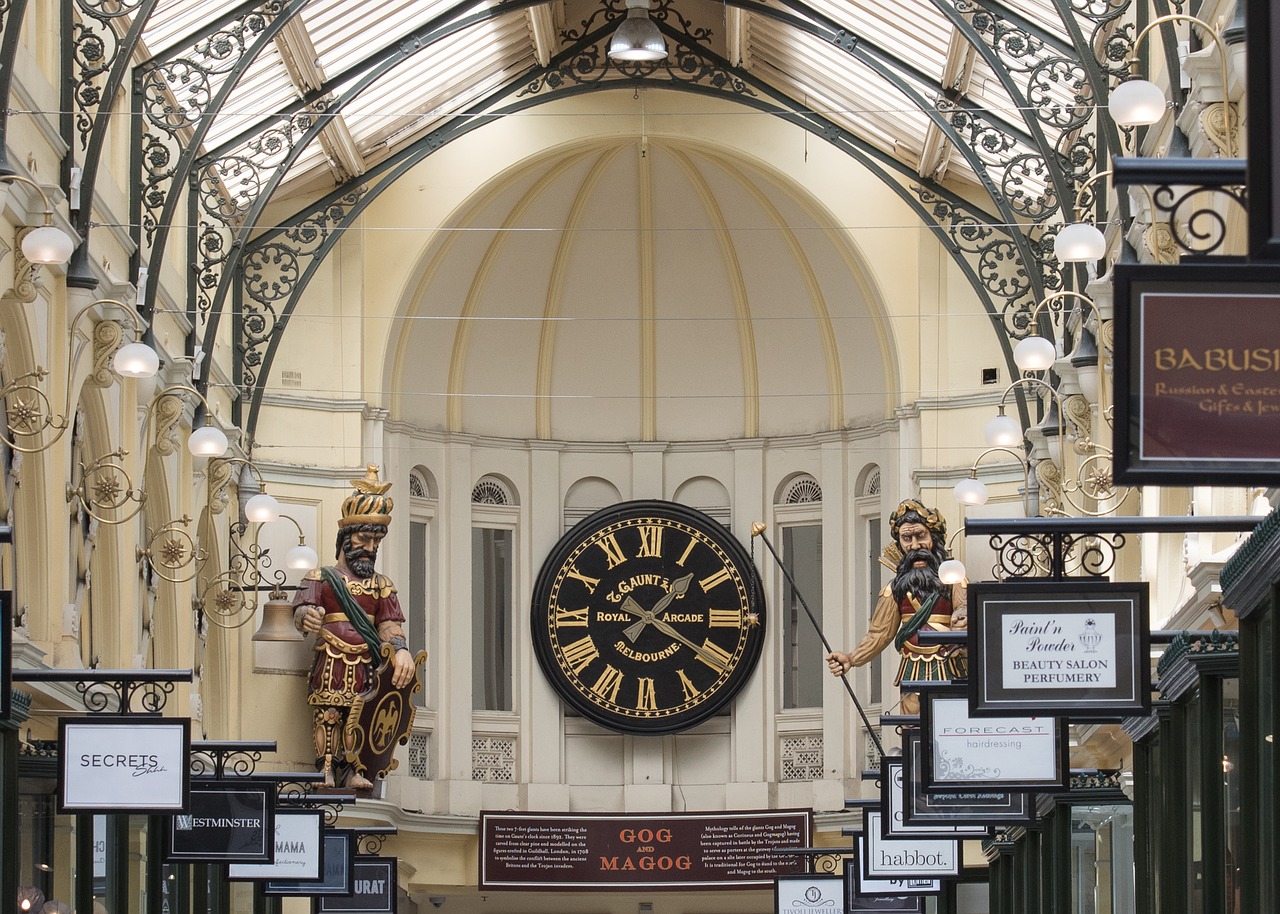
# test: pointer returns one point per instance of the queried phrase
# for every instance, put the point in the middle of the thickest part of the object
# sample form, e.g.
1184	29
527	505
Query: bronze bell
277	620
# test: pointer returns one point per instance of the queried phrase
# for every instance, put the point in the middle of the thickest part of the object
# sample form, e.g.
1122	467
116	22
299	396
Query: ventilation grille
490	492
803	490
417	488
873	757
802	758
290	378
872	485
420	756
493	759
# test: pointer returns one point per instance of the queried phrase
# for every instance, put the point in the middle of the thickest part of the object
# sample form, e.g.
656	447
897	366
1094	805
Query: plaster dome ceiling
641	289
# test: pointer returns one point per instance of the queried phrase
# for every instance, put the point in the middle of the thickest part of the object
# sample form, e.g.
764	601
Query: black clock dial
648	617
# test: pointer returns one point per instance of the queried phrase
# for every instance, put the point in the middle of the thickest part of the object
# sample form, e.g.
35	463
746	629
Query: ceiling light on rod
1139	102
638	38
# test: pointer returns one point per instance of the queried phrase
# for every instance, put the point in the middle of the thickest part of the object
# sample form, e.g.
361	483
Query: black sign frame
932	885
857	903
1209	281
6	654
133	722
266	790
1262	71
991	602
337	860
991	807
991	728
364	866
895	800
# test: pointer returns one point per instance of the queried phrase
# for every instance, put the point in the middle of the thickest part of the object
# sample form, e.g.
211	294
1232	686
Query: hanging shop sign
225	823
893	804
1073	648
858	902
299	851
559	851
1262	56
905	858
961	751
1197	374
982	805
373	889
123	763
906	885
6	653
808	894
337	856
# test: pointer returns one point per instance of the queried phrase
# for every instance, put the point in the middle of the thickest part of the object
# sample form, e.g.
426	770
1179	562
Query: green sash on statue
355	614
916	622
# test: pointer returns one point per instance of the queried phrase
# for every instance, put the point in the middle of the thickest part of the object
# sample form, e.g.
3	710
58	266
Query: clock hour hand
678	589
648	618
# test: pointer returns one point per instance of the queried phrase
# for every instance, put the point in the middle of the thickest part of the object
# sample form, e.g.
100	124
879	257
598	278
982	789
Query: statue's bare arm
884	625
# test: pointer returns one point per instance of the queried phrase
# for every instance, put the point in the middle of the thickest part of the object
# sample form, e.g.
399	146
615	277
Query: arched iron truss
1009	268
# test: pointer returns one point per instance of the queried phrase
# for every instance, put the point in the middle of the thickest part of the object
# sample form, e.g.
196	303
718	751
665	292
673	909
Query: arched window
493	527
798	511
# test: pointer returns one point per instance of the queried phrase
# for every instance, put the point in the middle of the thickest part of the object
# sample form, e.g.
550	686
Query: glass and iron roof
382	75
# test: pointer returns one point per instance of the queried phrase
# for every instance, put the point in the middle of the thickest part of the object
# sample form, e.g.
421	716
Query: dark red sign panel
1197	373
558	851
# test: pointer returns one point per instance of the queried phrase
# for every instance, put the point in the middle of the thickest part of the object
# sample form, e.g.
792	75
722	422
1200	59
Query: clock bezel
543	610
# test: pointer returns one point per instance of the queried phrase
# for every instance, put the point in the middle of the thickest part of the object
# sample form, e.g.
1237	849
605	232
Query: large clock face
648	617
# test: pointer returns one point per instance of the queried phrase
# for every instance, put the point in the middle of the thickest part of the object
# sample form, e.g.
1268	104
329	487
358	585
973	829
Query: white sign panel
298	852
900	858
124	764
1066	651
809	895
990	751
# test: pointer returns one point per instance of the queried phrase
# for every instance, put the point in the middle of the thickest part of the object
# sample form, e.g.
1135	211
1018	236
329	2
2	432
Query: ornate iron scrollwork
1055	555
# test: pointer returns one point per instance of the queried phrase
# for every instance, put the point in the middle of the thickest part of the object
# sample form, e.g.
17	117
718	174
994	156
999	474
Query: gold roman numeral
574	617
612	551
715	652
725	618
714	580
687	549
690	690
646	696
580	653
650	542
590	583
608	684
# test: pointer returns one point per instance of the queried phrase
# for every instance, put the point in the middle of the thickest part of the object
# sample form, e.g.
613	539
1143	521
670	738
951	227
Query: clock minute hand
706	656
678	589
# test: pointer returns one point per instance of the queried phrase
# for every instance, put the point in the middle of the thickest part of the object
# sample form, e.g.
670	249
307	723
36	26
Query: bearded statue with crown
915	600
361	656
